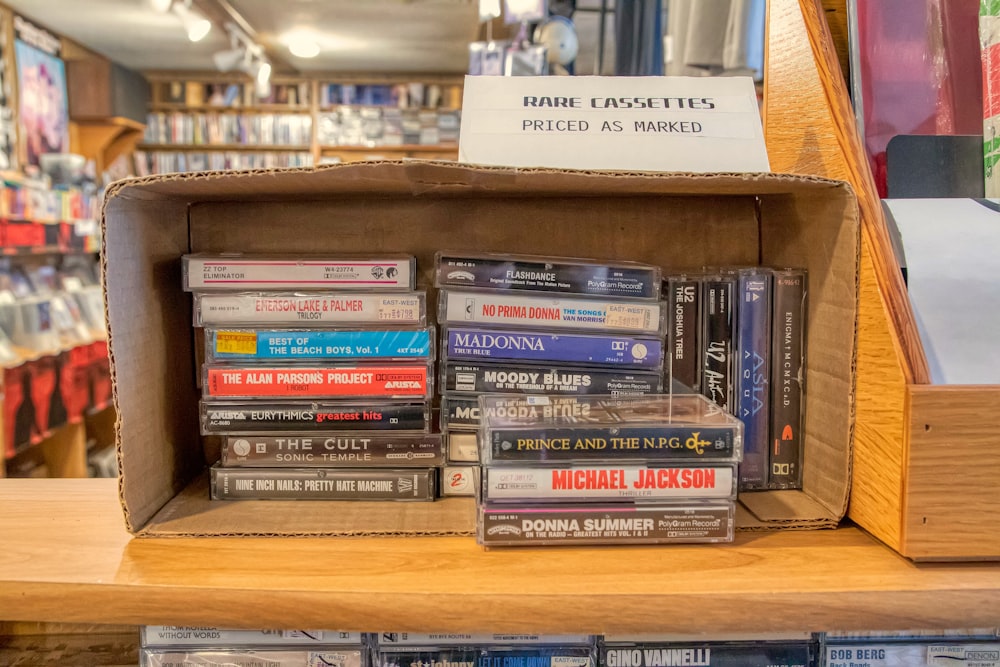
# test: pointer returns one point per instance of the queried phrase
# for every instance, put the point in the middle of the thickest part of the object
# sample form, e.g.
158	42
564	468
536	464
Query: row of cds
252	129
166	646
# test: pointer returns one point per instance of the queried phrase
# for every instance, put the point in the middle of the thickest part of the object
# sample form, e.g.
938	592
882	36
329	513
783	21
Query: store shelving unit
67	556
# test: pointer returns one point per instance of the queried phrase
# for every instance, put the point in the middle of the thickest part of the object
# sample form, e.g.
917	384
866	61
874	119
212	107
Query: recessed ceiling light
304	48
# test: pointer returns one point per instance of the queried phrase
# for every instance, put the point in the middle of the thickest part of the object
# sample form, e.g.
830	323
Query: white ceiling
355	35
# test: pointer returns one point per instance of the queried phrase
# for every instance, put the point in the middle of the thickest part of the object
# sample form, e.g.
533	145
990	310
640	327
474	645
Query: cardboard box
678	221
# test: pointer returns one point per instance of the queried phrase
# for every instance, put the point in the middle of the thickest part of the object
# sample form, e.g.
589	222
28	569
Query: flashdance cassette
753	372
171	635
321	309
717	330
270	345
463	447
684	308
333	450
549	311
787	378
641	352
252	657
912	653
633	483
652	653
323	483
459	480
268	417
663	429
486	656
225	381
508	525
236	271
478	378
387	640
547	274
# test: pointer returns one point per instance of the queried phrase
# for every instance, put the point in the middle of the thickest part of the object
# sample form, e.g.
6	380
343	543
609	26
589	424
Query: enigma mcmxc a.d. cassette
551	347
225	417
787	376
506	525
661	429
334	450
324	483
270	345
355	381
547	274
204	272
309	309
549	312
252	657
478	378
578	483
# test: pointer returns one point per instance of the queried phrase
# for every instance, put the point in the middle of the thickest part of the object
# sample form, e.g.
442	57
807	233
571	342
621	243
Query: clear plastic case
332	450
367	380
252	657
237	271
310	309
268	417
305	345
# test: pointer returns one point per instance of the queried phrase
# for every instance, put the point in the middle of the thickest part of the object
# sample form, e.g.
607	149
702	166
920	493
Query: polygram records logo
504	529
639	351
241	447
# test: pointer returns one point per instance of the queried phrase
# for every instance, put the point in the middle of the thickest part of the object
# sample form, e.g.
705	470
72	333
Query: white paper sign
622	123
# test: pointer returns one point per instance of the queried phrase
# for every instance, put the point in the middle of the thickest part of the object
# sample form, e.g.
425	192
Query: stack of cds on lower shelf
318	393
561	470
401	649
798	650
541	325
172	646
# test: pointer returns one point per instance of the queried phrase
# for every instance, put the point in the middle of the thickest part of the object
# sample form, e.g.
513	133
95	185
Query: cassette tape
753	373
332	450
459	480
483	656
204	272
497	378
717	340
472	344
654	653
535	273
508	525
227	381
323	483
309	309
252	657
406	640
683	333
171	635
505	309
787	374
463	446
912	653
296	345
268	417
662	429
631	483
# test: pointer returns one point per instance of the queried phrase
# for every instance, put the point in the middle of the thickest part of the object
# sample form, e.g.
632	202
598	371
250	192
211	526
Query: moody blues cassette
323	309
269	345
663	429
252	657
347	381
578	483
264	417
478	378
548	347
243	272
547	274
348	449
594	523
549	312
323	483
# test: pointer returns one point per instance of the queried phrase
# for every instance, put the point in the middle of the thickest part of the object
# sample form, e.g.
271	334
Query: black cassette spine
717	341
710	654
261	417
323	484
333	450
647	442
462	377
683	331
787	374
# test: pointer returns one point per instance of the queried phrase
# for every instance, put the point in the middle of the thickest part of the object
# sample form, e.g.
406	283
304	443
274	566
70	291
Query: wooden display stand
925	463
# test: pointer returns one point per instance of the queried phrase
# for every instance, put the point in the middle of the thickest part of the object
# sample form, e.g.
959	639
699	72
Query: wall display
8	119
44	105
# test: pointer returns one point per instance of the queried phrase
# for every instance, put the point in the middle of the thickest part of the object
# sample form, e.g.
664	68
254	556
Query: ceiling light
161	6
196	25
488	9
263	73
304	48
227	61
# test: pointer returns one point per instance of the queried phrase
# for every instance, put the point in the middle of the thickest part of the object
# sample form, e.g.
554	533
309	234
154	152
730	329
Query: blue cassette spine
547	347
303	344
487	657
753	372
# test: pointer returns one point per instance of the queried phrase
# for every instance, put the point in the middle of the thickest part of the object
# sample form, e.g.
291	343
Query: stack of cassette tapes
170	646
401	649
737	336
561	470
541	325
320	392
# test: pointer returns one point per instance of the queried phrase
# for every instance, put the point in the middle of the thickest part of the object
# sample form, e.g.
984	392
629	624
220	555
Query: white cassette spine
214	273
302	309
607	482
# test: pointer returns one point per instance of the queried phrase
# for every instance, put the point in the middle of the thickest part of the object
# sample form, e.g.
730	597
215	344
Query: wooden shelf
210	108
207	148
67	558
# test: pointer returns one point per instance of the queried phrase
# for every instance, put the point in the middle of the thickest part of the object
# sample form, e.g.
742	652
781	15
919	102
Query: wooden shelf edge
69	559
